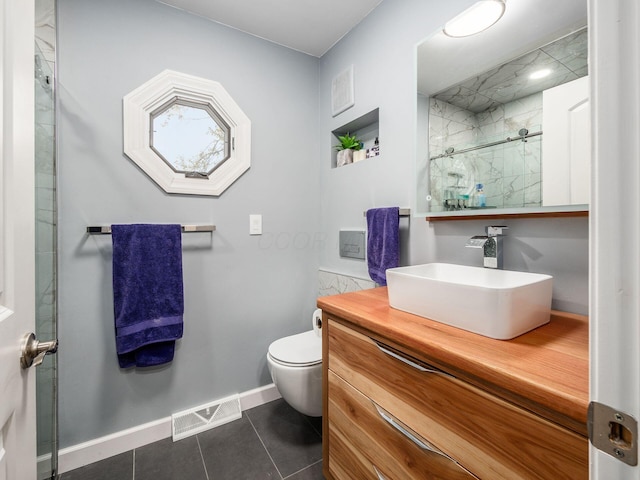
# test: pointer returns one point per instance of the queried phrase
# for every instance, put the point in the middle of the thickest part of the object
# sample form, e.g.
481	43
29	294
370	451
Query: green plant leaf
348	142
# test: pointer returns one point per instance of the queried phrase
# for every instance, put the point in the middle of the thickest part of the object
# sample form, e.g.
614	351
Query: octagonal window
186	133
191	138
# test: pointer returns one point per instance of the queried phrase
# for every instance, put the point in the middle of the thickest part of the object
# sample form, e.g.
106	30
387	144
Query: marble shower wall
510	172
46	224
46	30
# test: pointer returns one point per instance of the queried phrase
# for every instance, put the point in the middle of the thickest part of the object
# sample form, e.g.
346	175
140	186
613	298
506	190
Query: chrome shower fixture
523	132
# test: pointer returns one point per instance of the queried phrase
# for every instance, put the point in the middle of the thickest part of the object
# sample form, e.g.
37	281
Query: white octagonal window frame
166	87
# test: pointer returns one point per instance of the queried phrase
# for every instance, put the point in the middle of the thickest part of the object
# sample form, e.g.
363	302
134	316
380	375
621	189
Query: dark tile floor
272	441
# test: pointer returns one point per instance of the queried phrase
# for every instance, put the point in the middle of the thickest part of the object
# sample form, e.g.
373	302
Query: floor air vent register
198	419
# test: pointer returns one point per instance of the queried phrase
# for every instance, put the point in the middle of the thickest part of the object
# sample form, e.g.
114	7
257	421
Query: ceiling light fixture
540	74
480	16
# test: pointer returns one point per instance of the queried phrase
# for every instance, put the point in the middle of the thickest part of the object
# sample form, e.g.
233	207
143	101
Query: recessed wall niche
366	128
161	115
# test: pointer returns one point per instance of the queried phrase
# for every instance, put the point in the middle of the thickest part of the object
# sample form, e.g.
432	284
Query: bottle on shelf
481	198
375	150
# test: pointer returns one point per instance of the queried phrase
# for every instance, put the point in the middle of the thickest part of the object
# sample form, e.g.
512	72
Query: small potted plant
348	144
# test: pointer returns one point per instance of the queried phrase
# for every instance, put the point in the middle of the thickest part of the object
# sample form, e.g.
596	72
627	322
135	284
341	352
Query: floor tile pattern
270	442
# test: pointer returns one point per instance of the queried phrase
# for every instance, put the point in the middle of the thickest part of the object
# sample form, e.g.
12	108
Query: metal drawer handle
402	359
380	476
411	363
414	437
406	431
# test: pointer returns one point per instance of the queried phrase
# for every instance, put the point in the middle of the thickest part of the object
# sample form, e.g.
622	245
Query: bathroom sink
499	304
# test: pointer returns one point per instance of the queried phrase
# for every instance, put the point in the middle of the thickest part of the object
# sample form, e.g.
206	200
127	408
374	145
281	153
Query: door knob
33	351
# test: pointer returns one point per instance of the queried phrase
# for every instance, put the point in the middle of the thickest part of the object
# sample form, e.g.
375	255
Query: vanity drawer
367	443
490	437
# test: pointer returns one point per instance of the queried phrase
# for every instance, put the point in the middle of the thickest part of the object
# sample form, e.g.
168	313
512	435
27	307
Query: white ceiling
309	26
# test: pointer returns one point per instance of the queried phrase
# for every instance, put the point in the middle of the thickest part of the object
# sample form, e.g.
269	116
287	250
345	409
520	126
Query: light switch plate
255	224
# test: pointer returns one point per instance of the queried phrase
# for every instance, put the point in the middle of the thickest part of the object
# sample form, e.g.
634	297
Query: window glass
190	138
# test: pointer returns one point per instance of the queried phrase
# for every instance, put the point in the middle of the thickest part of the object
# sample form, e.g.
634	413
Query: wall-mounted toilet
295	364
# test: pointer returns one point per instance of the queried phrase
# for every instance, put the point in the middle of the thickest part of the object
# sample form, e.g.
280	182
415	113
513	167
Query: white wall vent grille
198	419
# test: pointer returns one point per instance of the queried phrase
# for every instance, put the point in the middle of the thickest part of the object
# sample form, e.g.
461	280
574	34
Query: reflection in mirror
489	130
190	137
493	143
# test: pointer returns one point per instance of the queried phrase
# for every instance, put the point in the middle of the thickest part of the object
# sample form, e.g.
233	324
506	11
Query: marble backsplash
330	283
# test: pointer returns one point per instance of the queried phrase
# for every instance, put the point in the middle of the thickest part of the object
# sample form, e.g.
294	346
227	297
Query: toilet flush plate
352	244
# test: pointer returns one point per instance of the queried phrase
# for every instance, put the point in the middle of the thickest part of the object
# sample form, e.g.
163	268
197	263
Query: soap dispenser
481	198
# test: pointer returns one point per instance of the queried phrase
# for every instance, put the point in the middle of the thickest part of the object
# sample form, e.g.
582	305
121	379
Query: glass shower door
46	277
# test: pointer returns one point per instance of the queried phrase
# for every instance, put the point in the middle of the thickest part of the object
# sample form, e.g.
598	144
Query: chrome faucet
491	243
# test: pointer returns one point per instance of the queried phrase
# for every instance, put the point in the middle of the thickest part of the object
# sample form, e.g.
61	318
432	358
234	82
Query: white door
566	144
615	229
17	271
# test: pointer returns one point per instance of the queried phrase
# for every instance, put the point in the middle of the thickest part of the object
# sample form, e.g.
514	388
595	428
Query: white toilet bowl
295	364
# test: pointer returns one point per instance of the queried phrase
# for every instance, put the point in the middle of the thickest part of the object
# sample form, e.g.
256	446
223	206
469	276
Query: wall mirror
186	133
503	116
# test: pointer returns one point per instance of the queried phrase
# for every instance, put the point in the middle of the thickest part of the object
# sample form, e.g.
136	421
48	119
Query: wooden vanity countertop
545	370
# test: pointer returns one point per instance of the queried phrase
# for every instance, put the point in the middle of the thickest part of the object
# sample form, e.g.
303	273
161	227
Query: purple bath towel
383	242
147	292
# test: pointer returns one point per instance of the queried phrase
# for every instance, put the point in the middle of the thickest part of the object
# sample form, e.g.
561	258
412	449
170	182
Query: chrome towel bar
106	229
404	212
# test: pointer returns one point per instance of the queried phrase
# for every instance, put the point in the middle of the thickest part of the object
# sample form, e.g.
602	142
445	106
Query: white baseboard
258	396
98	449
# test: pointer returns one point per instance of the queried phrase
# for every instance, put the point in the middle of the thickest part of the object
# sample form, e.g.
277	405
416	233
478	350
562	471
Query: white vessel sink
499	304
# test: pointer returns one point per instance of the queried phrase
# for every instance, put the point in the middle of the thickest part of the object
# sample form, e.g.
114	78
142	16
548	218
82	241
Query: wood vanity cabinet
390	414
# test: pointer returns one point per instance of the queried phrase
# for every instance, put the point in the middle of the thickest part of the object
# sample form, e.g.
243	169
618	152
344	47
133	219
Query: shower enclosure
506	166
46	232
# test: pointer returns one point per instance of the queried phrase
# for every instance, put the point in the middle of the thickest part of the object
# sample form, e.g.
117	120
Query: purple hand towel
383	242
147	292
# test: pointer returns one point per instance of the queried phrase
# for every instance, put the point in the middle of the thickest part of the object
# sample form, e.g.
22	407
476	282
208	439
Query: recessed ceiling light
480	16
540	74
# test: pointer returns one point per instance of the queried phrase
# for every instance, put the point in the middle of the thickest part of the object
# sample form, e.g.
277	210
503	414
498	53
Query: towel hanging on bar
383	242
148	297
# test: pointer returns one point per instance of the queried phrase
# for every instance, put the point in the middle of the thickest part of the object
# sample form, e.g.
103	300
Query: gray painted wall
241	291
382	50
